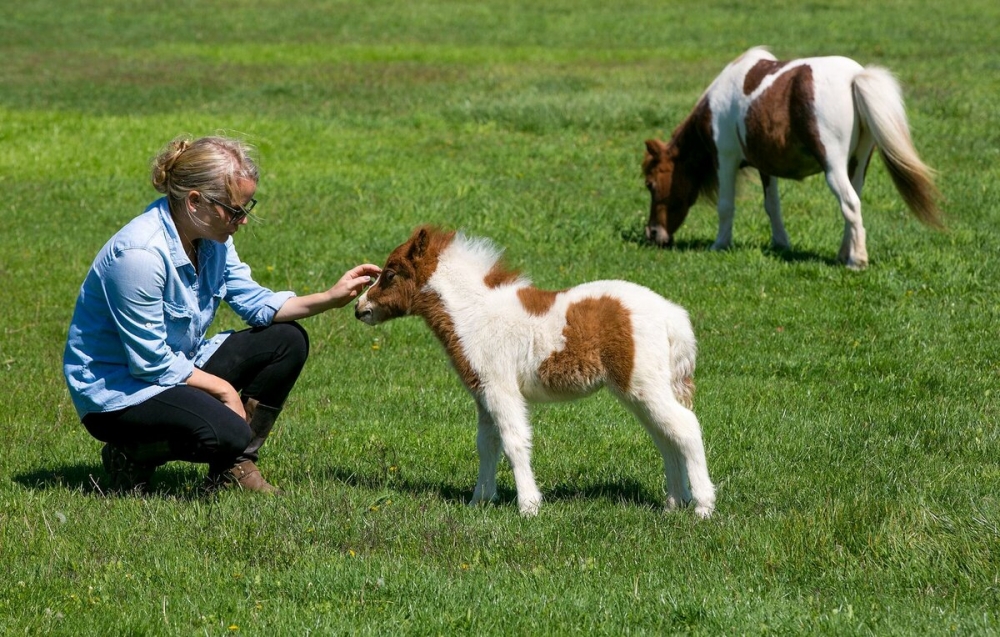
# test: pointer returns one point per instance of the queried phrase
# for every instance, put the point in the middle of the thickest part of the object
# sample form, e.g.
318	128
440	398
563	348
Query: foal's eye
649	186
387	276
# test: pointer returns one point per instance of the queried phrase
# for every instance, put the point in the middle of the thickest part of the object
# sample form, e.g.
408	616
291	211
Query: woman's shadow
179	480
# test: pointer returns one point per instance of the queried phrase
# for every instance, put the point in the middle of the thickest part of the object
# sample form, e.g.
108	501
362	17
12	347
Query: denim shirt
143	312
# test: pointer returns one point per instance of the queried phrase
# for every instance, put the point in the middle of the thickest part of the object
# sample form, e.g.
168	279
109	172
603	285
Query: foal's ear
654	147
418	244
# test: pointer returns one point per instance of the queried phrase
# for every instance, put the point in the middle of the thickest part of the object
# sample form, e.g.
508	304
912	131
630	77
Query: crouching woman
144	378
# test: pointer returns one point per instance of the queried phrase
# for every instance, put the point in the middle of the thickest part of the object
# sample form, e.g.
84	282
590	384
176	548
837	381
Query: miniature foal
512	344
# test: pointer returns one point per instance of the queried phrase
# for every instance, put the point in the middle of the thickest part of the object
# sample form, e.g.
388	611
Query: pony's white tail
879	101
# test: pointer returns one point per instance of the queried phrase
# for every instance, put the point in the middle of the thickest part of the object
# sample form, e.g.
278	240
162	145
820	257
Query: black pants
261	363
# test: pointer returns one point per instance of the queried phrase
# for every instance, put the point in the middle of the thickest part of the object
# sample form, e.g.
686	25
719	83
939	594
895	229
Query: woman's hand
352	283
218	388
343	292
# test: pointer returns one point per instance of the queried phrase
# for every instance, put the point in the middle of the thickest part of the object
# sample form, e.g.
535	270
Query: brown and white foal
513	344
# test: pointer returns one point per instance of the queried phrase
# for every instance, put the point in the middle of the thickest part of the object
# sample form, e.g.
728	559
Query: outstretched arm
346	289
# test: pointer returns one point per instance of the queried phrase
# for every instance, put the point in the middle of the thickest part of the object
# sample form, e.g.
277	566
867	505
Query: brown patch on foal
599	348
500	275
782	136
536	302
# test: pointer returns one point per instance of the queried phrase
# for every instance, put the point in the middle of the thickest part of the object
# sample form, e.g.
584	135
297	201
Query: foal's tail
683	350
879	101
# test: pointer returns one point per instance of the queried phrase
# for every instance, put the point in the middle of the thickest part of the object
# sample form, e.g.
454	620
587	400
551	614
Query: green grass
849	418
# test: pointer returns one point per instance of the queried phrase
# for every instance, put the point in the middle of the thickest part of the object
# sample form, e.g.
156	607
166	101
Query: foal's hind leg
488	446
772	205
678	493
677	434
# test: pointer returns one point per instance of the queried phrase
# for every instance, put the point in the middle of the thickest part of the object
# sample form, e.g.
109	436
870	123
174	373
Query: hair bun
163	164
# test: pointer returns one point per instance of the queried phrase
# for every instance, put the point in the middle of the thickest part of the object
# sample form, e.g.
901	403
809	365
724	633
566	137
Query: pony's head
407	269
671	192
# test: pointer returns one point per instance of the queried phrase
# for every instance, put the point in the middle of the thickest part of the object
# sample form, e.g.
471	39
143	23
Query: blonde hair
211	165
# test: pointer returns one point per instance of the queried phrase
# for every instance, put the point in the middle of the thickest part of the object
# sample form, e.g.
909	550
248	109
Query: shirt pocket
217	297
178	319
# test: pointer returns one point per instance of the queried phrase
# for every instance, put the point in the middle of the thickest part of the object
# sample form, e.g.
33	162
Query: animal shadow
627	493
637	237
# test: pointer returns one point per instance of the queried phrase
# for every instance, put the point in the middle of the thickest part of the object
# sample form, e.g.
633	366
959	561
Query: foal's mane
488	257
692	149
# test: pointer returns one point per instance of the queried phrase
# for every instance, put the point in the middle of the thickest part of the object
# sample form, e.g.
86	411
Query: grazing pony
790	120
512	344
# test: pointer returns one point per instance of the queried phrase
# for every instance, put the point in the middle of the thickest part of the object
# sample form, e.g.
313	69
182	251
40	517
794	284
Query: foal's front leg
488	446
509	412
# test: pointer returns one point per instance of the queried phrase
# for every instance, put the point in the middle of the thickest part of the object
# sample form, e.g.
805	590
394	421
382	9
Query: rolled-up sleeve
251	301
134	282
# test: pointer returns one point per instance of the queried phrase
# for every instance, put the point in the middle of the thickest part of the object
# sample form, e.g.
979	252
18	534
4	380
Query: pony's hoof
719	246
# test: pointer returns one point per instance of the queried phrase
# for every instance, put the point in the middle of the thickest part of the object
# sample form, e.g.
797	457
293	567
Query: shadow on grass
178	481
638	237
627	493
181	480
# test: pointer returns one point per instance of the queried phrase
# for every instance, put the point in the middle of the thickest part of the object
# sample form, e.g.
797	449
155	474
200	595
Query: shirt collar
177	253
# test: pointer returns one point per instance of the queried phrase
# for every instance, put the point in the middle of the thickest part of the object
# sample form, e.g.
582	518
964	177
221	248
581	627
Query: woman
142	375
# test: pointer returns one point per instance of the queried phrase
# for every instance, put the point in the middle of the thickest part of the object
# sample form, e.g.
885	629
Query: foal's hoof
529	508
703	512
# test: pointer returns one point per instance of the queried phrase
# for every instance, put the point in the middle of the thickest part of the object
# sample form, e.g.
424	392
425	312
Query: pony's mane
693	150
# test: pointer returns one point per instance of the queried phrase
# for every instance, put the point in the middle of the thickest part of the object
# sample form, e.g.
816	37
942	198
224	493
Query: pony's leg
772	205
853	248
678	493
727	202
488	446
862	156
677	434
510	414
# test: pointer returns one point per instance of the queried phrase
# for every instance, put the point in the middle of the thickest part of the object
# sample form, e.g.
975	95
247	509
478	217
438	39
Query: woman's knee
295	340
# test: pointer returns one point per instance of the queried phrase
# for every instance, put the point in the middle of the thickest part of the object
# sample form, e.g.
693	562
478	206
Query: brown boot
261	419
247	476
242	475
244	471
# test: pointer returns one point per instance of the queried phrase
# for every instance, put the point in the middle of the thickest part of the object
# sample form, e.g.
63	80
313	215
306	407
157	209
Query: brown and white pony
513	344
790	120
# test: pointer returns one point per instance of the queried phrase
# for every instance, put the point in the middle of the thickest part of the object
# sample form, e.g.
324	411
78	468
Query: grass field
850	419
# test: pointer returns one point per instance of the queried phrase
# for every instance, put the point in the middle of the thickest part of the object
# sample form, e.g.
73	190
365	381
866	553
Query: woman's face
219	219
